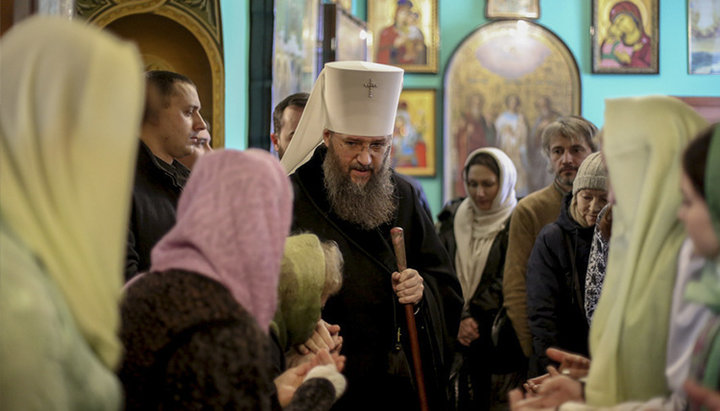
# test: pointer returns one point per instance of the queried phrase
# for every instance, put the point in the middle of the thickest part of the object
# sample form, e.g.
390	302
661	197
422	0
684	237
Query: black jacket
366	307
190	345
487	298
156	191
555	297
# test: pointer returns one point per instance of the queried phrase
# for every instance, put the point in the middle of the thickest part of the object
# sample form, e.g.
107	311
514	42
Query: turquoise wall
236	34
569	20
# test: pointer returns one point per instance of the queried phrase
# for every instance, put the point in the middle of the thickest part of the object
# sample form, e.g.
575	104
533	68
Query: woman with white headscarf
72	98
475	233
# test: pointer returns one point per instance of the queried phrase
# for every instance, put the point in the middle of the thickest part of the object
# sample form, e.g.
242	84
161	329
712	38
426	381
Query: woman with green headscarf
644	138
310	273
700	213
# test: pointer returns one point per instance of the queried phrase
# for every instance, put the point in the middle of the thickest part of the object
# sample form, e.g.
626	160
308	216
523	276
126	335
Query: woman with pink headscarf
195	327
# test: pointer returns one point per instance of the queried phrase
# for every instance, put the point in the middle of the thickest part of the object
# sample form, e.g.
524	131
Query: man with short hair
566	142
171	124
286	117
201	146
346	191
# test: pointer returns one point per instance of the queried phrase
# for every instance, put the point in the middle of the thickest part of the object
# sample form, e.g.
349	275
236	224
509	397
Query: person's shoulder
550	233
447	214
540	198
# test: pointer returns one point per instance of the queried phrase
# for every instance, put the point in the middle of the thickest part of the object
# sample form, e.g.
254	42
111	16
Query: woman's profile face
483	186
695	215
589	204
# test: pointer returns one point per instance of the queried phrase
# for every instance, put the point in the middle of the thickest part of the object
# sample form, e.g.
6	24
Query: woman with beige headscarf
475	233
71	104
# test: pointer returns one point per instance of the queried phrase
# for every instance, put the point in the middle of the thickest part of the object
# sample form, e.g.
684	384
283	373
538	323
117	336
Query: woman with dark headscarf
71	105
196	326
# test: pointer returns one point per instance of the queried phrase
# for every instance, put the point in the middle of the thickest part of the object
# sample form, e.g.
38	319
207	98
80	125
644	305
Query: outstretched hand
571	364
324	337
289	381
554	391
701	396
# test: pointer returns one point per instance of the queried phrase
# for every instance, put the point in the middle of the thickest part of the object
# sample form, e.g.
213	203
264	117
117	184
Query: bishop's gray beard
368	206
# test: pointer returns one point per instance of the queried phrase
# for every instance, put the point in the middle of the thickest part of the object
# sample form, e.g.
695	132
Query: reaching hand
572	365
324	337
554	390
289	381
701	396
408	286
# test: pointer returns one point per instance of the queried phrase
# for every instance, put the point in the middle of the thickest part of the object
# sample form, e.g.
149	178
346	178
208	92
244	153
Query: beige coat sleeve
520	243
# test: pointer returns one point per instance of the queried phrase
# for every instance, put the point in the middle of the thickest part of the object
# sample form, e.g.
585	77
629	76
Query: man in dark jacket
170	127
347	193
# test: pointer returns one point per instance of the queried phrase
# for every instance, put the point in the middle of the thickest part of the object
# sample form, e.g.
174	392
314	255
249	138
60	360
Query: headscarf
597	265
302	280
475	229
232	220
706	291
644	138
72	97
628	8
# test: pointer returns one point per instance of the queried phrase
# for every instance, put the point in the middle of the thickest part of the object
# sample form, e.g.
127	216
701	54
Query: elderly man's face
359	157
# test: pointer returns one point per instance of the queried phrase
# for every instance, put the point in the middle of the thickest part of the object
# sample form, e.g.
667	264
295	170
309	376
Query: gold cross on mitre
370	86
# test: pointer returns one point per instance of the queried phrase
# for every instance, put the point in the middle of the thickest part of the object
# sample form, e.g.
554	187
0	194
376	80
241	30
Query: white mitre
349	97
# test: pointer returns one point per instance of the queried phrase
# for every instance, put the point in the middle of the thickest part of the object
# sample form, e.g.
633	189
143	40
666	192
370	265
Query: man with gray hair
346	191
566	142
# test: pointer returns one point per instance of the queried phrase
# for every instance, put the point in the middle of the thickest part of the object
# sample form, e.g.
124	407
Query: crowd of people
141	269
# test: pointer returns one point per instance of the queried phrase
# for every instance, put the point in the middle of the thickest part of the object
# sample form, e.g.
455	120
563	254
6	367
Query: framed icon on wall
404	33
625	36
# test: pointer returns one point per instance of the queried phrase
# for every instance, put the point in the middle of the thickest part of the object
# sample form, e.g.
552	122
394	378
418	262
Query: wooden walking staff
398	241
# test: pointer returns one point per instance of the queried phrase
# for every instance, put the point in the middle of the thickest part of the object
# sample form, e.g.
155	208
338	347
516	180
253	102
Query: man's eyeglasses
355	146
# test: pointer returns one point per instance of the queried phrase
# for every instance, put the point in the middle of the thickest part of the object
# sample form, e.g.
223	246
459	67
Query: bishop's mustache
362	168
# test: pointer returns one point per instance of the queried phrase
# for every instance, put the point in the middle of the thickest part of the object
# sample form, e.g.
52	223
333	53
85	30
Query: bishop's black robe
366	307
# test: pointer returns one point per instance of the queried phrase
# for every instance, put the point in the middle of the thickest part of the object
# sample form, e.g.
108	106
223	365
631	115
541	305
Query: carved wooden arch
199	18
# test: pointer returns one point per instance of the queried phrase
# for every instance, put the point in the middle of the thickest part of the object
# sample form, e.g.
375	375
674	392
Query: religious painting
404	33
343	36
504	83
514	9
413	149
625	36
703	37
295	62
